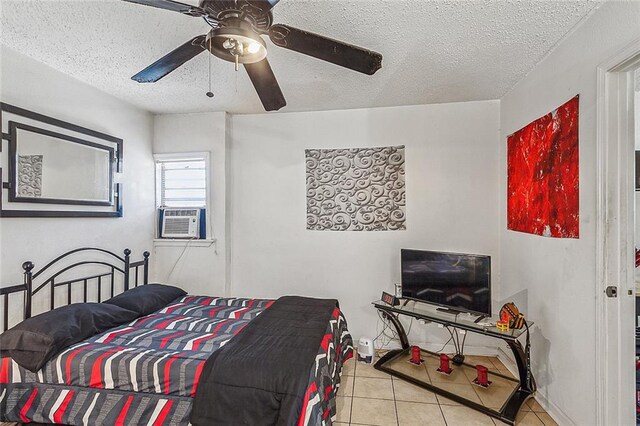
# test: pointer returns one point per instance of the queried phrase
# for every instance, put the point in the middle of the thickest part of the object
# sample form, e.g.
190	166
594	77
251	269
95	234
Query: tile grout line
538	417
442	412
353	387
541	421
395	403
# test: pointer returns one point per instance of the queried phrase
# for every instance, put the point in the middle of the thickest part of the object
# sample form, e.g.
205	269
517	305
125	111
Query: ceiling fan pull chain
209	93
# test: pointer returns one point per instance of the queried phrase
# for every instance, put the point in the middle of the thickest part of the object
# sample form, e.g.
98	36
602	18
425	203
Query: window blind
183	183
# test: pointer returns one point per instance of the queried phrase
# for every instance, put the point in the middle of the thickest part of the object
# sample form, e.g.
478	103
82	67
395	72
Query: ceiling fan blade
171	61
174	6
266	85
327	49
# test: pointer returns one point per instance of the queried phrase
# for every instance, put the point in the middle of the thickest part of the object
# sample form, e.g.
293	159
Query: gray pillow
147	298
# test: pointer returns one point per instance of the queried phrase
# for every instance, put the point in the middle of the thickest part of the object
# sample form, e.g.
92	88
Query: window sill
166	242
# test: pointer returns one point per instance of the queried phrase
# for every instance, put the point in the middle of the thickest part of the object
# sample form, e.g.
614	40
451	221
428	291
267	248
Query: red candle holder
483	376
445	366
415	355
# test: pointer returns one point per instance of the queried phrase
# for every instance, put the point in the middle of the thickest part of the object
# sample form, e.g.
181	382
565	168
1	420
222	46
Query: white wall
34	86
202	268
555	278
452	172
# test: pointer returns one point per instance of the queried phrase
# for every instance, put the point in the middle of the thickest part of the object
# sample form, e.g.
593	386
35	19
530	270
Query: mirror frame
116	161
13	167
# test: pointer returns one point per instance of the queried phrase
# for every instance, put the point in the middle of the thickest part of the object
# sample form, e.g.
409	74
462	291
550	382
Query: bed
234	359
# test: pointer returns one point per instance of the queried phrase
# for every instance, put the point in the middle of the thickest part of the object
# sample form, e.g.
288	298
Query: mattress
147	371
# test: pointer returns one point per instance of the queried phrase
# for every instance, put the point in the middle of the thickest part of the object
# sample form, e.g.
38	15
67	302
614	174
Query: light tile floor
371	397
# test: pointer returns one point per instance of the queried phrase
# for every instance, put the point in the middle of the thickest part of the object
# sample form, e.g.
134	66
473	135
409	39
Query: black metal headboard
31	276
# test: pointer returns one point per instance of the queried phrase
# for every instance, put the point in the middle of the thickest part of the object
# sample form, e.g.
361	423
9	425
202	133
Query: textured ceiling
434	51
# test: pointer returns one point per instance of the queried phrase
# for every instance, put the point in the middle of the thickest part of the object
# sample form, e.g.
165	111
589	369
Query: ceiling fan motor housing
251	11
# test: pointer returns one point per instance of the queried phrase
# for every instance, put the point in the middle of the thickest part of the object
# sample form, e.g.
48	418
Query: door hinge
612	291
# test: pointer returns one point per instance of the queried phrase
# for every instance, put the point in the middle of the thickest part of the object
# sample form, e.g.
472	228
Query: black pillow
36	340
147	298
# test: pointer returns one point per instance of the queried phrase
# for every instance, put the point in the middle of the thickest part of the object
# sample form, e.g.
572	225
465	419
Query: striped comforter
146	372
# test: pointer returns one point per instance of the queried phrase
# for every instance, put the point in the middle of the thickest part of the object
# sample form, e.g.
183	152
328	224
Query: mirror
50	167
54	168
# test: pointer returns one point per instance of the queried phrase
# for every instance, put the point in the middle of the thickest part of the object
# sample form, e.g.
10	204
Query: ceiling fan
235	36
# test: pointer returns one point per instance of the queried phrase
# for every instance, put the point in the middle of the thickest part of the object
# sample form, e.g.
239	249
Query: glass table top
463	321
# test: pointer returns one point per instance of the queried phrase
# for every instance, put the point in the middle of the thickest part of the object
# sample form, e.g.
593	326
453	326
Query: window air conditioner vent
180	223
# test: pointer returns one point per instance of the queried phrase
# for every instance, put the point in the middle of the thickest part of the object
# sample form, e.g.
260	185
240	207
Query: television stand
502	399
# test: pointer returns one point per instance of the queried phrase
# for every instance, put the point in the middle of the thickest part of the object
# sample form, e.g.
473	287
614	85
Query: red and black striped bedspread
146	372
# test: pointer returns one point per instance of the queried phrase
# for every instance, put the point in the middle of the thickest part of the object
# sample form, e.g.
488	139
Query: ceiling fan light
254	47
234	43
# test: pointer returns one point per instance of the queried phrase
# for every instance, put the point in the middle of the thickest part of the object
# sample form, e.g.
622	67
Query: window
181	180
182	196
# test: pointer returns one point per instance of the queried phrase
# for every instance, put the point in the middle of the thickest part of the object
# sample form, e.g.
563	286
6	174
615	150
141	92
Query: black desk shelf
502	400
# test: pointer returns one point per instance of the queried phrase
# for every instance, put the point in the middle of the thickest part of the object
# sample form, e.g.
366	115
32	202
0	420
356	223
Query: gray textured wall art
29	176
358	189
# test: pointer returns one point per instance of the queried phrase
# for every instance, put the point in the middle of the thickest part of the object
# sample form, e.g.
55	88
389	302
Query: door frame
615	318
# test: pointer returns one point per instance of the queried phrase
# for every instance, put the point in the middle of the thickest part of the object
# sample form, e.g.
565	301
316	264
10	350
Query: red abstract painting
542	175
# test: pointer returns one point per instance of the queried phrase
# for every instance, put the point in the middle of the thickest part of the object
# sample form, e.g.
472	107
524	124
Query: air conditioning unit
180	223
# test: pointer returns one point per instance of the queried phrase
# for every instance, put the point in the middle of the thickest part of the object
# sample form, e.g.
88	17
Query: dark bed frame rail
109	277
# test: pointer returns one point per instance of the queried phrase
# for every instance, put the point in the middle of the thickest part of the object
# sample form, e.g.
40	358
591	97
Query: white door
615	327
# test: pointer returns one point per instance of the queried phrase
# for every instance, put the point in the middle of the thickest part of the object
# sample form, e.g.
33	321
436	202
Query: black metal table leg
527	381
404	341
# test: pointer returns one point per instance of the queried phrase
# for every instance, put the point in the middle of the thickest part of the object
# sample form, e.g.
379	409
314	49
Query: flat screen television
456	281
